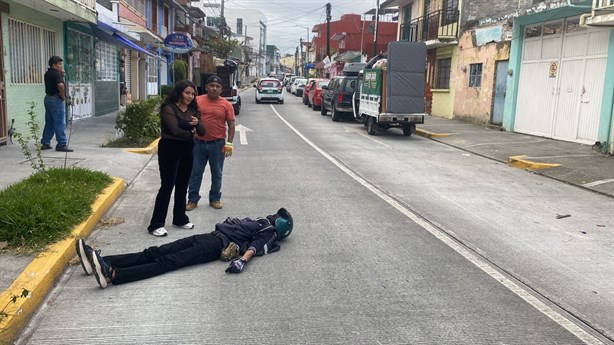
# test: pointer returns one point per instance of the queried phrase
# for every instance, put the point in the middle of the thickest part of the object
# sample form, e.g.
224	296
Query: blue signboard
178	43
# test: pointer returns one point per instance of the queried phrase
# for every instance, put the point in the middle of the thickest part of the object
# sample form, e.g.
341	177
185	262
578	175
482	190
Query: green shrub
164	90
178	71
140	122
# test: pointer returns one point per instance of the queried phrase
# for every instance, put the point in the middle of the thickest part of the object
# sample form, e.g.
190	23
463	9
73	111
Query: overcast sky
285	17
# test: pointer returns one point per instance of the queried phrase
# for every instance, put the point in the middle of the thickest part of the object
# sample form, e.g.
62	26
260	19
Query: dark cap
54	59
214	79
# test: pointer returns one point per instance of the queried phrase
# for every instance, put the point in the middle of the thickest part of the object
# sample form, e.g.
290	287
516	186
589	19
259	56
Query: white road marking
596	183
574	329
242	133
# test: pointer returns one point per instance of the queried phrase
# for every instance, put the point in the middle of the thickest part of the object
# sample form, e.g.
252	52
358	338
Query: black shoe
63	148
46	147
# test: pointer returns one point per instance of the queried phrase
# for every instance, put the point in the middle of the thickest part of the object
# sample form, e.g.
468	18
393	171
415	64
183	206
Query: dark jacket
256	234
175	124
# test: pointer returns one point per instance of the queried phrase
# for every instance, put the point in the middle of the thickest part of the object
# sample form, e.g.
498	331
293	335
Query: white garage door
561	81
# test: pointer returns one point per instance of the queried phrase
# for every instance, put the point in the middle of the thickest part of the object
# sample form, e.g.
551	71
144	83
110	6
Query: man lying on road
246	237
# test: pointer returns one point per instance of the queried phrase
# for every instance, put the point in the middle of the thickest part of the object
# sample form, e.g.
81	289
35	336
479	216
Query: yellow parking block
428	134
149	150
520	162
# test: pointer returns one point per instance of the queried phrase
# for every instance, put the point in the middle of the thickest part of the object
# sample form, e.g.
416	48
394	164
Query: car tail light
339	98
279	88
260	88
233	92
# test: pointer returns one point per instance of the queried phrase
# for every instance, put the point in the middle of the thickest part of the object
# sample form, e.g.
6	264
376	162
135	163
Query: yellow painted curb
520	162
41	274
149	150
427	134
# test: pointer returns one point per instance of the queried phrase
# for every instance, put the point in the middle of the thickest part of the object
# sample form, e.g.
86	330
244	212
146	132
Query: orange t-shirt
214	114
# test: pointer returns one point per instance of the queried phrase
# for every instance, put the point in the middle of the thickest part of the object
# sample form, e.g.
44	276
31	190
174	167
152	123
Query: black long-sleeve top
175	124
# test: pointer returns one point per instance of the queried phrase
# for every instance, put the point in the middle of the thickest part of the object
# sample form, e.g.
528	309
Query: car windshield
269	83
349	86
323	83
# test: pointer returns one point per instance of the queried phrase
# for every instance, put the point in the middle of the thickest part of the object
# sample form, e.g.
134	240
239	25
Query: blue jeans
55	121
207	152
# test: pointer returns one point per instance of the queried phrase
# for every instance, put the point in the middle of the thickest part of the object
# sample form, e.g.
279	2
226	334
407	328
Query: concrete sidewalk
579	165
572	163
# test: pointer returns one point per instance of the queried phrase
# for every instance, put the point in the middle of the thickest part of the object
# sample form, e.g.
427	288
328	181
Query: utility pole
328	8
375	31
222	21
302	59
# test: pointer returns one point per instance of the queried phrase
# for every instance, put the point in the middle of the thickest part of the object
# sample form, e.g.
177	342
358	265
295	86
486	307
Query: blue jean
207	152
55	121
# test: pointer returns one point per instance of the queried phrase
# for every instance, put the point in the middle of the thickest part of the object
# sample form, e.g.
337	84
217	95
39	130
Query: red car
315	93
310	82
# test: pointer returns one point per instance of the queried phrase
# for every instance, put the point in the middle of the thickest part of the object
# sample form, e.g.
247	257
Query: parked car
298	86
290	82
269	89
315	93
337	96
308	85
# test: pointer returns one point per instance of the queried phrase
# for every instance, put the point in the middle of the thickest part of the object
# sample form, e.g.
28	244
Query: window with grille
213	21
239	26
106	61
450	12
31	48
152	73
443	73
475	75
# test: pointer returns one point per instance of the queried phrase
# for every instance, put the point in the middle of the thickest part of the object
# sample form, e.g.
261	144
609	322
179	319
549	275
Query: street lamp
307	42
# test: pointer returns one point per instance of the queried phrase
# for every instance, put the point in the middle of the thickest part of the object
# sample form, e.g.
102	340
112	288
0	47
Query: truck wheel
371	125
334	114
322	110
363	119
408	129
257	101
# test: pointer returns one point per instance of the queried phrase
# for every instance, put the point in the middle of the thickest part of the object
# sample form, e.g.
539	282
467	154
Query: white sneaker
186	226
159	232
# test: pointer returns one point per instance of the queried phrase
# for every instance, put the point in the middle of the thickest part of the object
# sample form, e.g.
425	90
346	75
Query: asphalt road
398	240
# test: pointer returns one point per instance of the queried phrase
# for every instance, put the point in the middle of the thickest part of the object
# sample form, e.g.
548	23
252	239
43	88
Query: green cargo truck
393	97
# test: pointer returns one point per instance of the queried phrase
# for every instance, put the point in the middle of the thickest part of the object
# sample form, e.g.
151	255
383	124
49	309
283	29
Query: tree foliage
221	48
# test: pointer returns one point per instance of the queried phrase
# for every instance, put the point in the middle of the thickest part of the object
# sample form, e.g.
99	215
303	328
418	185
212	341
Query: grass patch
45	207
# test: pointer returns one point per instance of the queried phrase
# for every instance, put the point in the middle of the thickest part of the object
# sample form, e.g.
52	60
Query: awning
131	45
146	35
117	40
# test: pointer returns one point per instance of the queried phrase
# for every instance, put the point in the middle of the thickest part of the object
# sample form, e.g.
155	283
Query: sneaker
63	148
216	204
45	147
186	226
159	232
190	206
102	270
84	252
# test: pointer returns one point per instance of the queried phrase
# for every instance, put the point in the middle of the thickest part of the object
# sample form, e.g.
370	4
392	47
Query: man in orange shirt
217	116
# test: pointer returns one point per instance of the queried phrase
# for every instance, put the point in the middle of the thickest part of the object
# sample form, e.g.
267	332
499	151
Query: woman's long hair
175	94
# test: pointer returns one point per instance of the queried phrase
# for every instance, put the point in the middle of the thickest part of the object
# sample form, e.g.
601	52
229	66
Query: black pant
154	261
175	161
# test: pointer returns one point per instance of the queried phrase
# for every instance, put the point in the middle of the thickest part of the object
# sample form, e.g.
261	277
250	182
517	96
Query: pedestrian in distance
55	115
236	240
179	122
218	117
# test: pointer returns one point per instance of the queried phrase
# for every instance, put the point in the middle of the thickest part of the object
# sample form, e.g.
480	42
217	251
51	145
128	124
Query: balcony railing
87	3
602	5
441	24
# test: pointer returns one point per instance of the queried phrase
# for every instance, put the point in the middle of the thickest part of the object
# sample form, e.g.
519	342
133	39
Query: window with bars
31	48
475	75
152	70
239	26
443	73
106	61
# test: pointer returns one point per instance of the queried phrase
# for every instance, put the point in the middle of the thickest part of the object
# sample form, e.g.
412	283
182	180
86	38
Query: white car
269	89
299	83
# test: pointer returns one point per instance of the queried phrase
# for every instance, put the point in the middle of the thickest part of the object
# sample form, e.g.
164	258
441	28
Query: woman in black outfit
179	119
